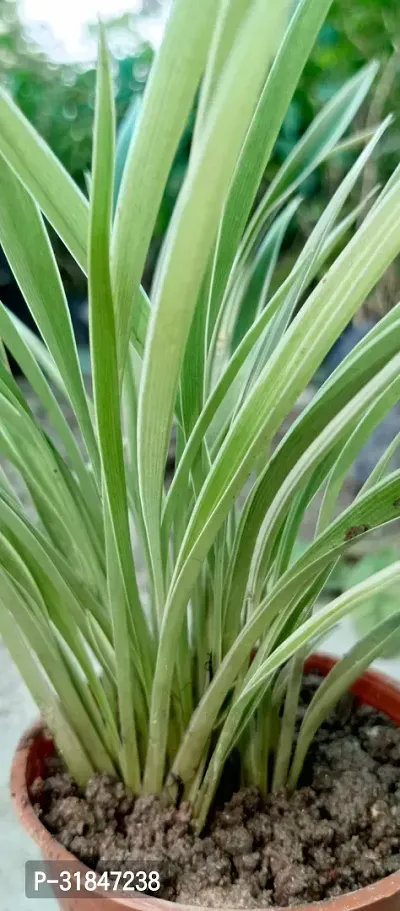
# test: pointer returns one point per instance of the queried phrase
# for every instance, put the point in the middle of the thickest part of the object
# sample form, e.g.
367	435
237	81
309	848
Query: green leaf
166	105
36	272
323	134
272	108
44	644
261	272
55	192
375	414
339	680
340	430
370	355
285	745
349	144
39	351
47	181
46	484
312	250
122	586
124	138
129	399
48	567
14	341
230	19
69	745
186	253
377	608
383	463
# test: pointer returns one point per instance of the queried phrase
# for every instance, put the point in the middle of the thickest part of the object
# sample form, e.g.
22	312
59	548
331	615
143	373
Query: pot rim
370	687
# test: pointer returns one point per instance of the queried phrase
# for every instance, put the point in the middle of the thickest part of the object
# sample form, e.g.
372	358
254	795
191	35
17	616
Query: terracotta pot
372	688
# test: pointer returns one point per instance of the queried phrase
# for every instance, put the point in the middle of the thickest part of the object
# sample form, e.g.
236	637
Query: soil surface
340	831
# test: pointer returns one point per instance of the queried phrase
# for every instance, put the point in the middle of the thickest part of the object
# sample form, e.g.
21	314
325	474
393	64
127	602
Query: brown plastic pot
372	688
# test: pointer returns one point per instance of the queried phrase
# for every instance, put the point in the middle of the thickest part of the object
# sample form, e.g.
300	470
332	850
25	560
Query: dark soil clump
340	831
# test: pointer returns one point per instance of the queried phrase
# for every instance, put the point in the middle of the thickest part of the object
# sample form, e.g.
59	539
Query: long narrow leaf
186	253
167	101
121	571
55	192
273	105
15	343
339	680
36	272
375	414
70	747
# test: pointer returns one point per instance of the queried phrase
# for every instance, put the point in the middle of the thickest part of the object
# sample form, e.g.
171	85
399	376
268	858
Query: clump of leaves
160	693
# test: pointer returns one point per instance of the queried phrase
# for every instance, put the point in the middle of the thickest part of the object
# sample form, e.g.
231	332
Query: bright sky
67	20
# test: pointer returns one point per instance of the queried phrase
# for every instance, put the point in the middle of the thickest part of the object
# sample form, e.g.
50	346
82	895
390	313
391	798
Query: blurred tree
58	98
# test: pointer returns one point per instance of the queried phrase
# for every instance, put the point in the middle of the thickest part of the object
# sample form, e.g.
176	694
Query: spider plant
158	684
